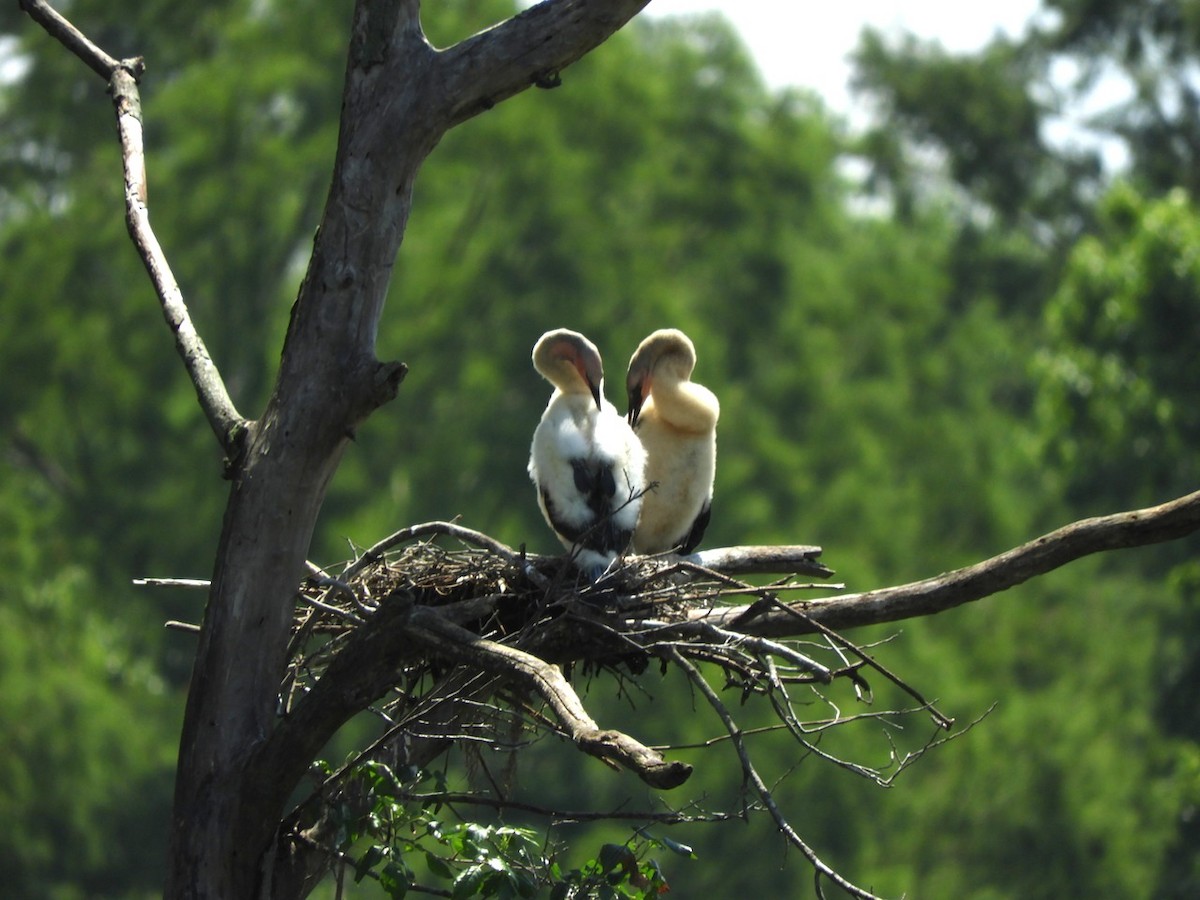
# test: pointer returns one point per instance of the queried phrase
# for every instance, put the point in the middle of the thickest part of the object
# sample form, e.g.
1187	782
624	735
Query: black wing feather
691	540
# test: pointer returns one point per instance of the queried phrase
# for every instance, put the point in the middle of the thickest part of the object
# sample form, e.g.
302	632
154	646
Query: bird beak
636	398
595	388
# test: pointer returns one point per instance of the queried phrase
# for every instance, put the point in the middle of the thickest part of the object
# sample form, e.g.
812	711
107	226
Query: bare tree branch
70	37
122	75
1136	528
529	49
227	424
548	682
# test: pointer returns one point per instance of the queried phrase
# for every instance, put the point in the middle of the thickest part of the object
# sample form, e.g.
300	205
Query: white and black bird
676	421
586	462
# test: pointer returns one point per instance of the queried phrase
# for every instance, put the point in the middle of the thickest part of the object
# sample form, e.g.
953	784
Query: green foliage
1119	385
399	835
986	122
877	398
1151	46
72	682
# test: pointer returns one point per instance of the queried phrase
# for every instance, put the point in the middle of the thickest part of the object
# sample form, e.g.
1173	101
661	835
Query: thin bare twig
732	638
450	529
750	774
943	722
332	610
561	816
196	583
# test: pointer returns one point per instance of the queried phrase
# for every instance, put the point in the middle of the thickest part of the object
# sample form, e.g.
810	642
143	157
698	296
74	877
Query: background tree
855	328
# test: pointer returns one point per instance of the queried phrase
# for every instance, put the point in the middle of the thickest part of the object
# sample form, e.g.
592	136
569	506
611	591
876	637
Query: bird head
568	359
668	352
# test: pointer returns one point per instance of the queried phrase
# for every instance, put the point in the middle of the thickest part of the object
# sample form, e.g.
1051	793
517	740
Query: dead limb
752	559
1136	528
548	682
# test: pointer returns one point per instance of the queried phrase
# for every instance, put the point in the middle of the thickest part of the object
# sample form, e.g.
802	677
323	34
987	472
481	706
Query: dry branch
70	37
547	680
122	76
1169	521
531	48
796	559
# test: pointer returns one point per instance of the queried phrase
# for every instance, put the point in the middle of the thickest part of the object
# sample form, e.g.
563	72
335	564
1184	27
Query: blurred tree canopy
985	337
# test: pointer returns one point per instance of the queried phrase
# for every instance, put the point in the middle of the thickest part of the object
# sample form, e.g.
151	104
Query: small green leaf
438	866
655	873
467	882
676	847
396	880
368	861
614	855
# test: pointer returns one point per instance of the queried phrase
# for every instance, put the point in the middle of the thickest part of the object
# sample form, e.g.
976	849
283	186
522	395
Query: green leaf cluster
402	834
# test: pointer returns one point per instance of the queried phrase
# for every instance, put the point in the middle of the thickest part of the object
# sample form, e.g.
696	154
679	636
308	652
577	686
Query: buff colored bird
676	420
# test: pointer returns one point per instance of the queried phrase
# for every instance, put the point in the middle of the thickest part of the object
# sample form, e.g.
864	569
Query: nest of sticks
541	603
449	635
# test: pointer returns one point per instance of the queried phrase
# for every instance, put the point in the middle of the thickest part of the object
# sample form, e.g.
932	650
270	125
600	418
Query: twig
450	529
563	816
943	722
750	774
785	586
335	585
122	75
734	639
332	610
197	583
